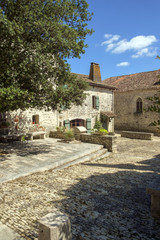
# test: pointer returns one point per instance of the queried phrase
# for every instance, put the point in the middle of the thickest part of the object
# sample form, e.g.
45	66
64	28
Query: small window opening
94	101
139	105
35	119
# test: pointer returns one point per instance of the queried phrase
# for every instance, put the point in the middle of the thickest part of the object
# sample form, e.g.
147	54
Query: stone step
99	154
86	152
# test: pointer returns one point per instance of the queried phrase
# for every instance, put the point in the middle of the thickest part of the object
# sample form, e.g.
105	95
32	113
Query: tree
36	38
154	107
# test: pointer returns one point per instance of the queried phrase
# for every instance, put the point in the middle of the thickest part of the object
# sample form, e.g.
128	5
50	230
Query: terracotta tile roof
109	114
143	80
96	84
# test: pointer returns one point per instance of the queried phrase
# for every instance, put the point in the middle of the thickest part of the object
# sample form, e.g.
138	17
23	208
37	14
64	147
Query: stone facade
86	111
127	116
131	101
99	99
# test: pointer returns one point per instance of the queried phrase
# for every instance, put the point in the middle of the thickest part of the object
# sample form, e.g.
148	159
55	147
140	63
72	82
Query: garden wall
107	141
137	135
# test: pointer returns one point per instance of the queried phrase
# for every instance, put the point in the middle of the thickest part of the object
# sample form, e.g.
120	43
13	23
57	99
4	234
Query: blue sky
126	38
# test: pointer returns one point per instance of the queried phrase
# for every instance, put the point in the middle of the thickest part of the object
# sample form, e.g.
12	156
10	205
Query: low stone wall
137	135
107	141
56	134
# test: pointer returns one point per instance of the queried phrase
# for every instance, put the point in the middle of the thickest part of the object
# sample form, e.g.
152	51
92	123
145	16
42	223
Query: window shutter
67	124
97	102
88	125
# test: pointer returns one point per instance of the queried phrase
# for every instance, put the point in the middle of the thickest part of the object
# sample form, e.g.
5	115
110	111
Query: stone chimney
95	74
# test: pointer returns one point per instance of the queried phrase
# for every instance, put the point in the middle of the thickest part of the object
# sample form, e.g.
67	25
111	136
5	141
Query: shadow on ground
146	165
22	149
113	206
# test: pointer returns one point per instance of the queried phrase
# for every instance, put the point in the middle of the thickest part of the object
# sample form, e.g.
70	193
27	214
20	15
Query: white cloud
123	64
136	43
111	38
141	45
150	52
108	36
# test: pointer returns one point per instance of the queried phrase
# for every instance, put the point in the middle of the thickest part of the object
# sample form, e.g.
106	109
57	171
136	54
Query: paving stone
105	199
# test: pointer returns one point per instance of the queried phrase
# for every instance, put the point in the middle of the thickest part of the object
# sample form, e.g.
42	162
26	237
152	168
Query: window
139	105
77	122
95	102
35	119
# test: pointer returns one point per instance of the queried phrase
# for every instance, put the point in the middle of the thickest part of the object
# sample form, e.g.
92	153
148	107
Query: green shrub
68	134
97	124
103	131
60	129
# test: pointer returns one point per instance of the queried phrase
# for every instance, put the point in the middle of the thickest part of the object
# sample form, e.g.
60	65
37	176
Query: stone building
131	100
98	104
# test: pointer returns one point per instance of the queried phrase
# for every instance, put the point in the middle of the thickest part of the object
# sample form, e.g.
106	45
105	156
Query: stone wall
47	120
87	111
56	134
52	119
107	141
137	135
127	117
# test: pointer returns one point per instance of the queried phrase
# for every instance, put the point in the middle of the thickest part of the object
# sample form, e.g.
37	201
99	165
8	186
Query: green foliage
23	138
103	131
68	135
60	129
154	107
37	37
97	124
4	124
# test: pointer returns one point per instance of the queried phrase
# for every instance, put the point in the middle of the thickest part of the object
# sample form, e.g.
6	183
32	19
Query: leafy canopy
37	37
154	107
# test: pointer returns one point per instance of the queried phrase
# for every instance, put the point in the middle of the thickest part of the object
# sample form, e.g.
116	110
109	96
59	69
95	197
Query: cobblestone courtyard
104	199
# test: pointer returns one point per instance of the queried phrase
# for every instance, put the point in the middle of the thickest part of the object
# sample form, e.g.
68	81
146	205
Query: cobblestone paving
104	199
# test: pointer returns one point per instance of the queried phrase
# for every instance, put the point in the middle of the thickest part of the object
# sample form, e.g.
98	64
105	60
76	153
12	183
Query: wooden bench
155	201
41	135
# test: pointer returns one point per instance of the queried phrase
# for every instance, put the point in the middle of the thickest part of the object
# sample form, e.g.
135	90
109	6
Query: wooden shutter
97	102
67	124
88	125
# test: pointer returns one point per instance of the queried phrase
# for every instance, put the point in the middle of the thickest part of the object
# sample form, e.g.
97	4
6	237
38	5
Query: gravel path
105	199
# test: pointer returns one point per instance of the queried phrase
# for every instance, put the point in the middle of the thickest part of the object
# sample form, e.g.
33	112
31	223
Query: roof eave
101	86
